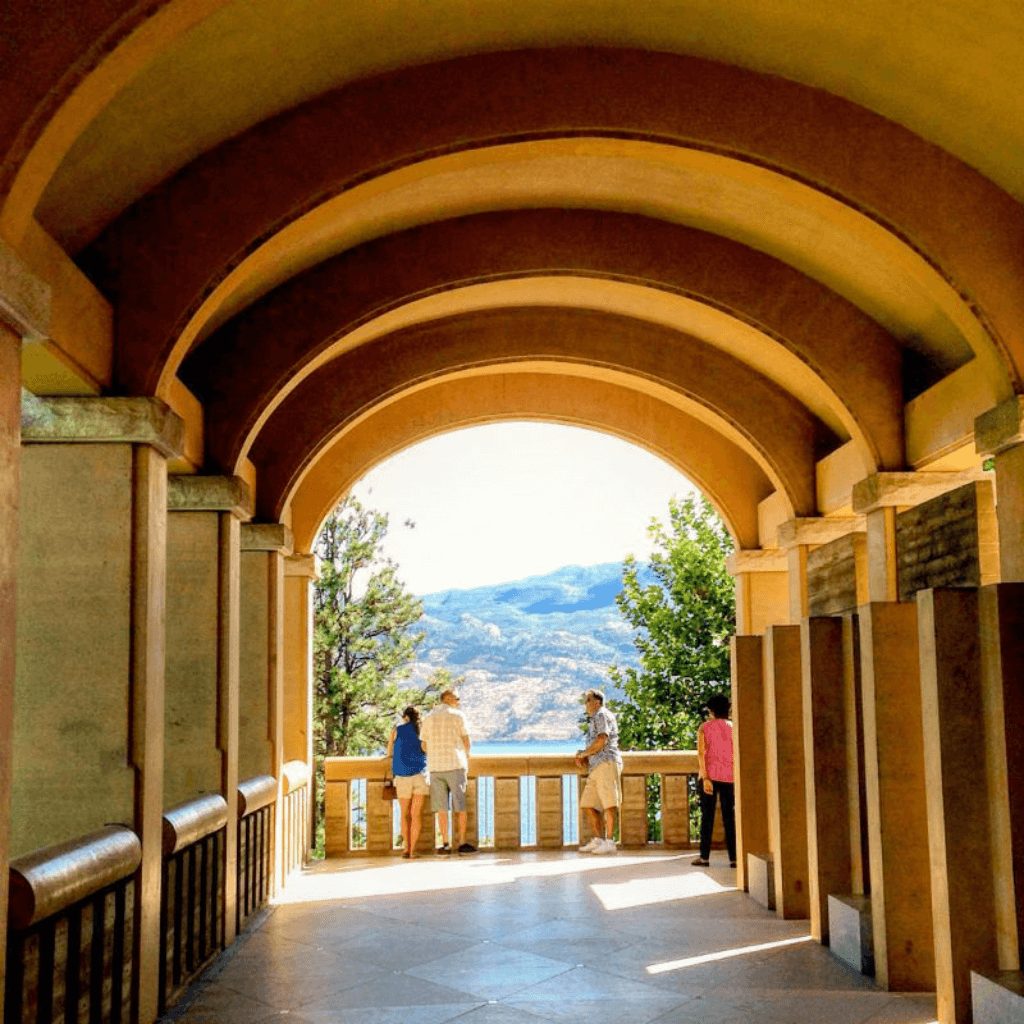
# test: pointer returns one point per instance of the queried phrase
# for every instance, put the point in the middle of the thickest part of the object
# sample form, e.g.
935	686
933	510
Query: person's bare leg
403	806
461	818
442	824
609	822
594	817
415	825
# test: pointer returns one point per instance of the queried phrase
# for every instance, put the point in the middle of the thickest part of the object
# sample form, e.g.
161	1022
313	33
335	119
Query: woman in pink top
714	756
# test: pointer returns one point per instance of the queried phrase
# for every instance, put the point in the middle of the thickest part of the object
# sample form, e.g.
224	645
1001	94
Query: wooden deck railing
516	802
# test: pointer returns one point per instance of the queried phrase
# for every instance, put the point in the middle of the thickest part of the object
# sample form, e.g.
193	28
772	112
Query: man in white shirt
445	737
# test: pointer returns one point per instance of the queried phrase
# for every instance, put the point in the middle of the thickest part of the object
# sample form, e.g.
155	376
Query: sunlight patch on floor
723	954
641	892
343	880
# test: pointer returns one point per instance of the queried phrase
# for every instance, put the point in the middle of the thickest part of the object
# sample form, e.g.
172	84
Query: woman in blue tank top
409	767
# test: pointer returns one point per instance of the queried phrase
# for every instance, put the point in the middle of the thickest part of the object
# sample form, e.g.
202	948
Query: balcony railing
516	802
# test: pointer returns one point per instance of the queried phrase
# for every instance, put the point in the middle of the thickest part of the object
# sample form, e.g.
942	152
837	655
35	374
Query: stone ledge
187	493
104	421
267	537
850	933
300	564
756	560
1000	428
24	298
761	879
904	490
998	998
818	530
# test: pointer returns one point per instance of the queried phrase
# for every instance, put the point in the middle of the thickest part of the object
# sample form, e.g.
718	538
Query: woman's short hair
719	705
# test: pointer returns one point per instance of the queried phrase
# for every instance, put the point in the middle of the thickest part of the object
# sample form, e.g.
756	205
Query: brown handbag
389	792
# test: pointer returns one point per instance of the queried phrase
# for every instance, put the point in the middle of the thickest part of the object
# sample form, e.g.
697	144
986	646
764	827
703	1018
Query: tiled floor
528	938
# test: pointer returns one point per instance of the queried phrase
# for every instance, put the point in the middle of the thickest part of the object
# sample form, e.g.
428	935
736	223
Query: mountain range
529	648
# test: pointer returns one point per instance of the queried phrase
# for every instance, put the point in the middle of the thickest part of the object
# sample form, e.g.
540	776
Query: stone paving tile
536	937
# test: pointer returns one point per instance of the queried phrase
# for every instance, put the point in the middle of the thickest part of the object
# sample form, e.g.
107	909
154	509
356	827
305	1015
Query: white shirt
443	732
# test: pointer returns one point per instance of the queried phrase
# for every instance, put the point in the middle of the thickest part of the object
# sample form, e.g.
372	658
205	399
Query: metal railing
657	796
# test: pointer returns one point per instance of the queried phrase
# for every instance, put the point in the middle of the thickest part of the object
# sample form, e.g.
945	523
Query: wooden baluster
675	811
633	812
506	814
472	825
378	819
586	832
549	812
337	823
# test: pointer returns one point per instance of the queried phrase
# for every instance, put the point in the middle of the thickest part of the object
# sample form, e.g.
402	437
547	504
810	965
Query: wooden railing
70	931
360	821
192	898
296	824
256	800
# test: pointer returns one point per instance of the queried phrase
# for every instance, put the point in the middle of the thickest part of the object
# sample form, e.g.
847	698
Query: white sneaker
593	846
607	846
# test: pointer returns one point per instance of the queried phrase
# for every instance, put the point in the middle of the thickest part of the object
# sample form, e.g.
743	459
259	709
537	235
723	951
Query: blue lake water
533	747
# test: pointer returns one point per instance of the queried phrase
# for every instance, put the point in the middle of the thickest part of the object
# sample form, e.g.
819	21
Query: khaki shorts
411	785
603	789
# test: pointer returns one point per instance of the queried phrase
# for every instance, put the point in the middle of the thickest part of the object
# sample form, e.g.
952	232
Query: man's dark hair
597	695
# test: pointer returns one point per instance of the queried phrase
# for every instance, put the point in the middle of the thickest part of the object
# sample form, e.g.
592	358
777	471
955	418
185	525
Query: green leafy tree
683	621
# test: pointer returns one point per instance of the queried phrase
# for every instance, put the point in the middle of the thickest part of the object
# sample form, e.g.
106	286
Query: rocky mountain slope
528	649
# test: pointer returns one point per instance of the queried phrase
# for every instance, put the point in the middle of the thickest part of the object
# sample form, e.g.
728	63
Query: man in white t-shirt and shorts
445	737
603	791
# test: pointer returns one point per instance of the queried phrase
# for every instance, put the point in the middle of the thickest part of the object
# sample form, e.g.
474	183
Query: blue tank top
407	757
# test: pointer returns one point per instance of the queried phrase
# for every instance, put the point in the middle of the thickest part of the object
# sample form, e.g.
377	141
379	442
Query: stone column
300	572
963	902
825	765
261	660
203	556
1001	630
24	314
90	639
748	743
1000	433
784	746
762	588
901	905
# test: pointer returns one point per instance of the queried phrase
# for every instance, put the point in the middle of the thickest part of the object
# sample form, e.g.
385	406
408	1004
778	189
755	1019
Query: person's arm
391	744
702	766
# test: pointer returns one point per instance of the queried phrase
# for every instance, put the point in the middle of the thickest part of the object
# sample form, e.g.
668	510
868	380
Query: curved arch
176	244
730	478
763	419
246	369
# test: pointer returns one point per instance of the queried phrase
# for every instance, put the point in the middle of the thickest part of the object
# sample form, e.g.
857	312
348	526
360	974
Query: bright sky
509	500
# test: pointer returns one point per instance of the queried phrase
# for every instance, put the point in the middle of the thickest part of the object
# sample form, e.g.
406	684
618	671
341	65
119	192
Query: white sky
509	500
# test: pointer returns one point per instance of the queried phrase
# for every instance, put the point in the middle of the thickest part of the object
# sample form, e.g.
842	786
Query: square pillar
203	586
1000	433
762	588
747	668
261	661
963	903
1001	633
10	486
853	714
825	767
300	573
784	749
88	748
894	777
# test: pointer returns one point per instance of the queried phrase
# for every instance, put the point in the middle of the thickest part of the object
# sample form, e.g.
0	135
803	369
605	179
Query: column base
761	879
998	998
850	933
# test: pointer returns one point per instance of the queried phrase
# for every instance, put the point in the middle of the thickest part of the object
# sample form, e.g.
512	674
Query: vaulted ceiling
751	237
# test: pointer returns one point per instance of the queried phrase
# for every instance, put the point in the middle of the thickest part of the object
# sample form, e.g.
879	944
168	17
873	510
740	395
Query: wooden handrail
634	762
295	775
255	793
47	881
191	821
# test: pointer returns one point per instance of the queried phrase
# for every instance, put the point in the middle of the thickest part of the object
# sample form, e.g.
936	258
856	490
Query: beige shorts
411	785
603	789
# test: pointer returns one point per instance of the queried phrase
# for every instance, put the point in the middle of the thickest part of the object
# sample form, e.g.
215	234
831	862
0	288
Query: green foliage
683	621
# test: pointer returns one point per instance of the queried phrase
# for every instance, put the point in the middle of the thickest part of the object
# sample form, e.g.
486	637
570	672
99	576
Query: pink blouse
718	749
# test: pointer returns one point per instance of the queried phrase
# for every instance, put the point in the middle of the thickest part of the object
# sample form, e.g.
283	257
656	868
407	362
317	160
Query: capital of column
24	299
895	490
815	531
756	560
104	421
304	565
1000	428
187	493
267	537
